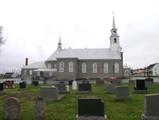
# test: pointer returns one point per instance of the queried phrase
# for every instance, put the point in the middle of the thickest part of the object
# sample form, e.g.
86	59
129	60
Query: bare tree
2	41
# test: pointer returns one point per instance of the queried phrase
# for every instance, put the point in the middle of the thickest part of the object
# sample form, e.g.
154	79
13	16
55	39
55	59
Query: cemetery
106	101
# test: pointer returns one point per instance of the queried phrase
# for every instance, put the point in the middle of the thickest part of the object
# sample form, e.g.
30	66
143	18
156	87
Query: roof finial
114	27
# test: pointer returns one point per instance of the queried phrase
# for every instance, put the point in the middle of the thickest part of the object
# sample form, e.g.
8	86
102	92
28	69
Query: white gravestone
74	85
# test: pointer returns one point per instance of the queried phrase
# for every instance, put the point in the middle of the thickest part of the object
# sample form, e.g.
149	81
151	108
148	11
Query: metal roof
85	54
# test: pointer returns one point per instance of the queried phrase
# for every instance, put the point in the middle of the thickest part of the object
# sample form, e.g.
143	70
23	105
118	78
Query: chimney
26	61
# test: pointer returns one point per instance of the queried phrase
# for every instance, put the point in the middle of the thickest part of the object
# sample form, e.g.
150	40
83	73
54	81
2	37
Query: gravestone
22	85
91	108
84	87
121	92
61	88
11	109
1	86
35	83
148	82
151	107
40	109
131	82
99	82
70	82
74	85
140	86
110	88
49	93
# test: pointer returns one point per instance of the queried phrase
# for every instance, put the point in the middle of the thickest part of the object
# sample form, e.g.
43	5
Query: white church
74	64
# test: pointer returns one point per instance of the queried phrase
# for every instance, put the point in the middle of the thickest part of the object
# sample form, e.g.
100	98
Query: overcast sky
32	28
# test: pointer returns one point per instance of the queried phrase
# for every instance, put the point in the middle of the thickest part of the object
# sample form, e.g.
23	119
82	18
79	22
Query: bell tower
114	38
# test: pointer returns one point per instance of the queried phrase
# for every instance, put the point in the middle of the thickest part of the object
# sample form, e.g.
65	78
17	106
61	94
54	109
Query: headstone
74	85
61	88
99	82
11	109
22	85
1	86
131	82
70	82
67	88
151	107
140	86
110	88
49	93
90	108
40	109
148	82
84	87
35	83
85	81
121	92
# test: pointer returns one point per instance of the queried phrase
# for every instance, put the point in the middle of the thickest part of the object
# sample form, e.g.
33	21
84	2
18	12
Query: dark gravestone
140	86
11	109
90	108
22	85
61	88
35	83
84	87
1	87
70	82
151	107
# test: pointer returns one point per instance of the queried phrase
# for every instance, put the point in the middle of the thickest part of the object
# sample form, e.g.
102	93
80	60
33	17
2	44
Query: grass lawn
66	109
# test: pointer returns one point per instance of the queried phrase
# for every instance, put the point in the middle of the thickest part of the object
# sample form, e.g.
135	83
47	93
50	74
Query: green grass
66	109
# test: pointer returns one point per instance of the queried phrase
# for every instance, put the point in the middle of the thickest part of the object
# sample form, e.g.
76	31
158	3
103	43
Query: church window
115	41
50	73
49	65
94	67
30	72
84	67
116	68
105	67
55	66
70	66
25	72
61	66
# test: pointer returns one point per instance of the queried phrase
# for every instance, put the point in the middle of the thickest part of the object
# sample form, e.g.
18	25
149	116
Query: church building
72	64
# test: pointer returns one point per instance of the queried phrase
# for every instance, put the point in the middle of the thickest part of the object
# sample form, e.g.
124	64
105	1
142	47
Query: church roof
85	54
35	65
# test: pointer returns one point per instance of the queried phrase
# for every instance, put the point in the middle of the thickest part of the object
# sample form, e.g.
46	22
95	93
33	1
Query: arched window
94	67
106	68
61	66
84	68
116	68
70	66
49	65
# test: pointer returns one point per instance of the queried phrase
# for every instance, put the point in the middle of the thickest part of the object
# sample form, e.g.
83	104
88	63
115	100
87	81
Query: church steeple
114	27
59	47
114	38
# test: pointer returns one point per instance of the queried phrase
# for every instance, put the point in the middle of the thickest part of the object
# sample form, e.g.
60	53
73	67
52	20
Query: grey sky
32	28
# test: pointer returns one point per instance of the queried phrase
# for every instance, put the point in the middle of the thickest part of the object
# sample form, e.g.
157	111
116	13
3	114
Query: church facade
72	64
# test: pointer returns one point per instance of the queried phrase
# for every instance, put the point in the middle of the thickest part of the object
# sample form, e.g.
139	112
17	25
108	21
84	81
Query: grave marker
11	109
